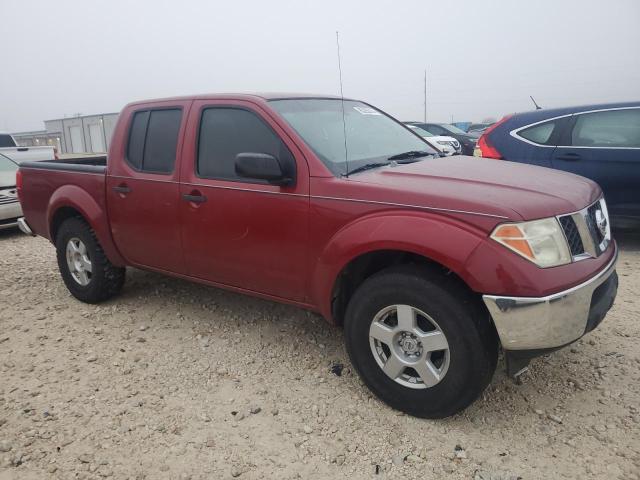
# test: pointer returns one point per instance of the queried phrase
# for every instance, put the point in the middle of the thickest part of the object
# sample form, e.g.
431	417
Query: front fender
441	239
75	197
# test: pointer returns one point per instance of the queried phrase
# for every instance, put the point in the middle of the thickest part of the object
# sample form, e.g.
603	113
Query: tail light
484	148
19	185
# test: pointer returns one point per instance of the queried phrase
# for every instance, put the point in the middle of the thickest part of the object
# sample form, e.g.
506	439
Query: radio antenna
538	107
344	124
425	95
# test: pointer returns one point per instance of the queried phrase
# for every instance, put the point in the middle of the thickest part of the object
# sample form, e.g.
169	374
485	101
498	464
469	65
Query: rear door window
153	140
608	129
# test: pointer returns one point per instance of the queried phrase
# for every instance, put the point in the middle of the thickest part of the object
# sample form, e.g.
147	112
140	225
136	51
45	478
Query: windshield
421	131
371	136
452	129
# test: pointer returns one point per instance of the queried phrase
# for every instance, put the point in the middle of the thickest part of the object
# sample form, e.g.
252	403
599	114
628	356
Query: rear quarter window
540	134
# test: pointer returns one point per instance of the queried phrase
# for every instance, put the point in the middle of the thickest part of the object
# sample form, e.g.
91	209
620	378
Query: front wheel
85	269
419	341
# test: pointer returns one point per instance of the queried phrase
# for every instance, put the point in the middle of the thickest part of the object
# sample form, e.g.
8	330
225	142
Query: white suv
447	145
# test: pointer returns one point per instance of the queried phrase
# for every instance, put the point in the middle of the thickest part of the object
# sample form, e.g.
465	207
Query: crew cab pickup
9	148
430	264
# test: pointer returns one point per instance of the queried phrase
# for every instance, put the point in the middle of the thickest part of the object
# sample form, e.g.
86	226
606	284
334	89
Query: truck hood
7	180
491	187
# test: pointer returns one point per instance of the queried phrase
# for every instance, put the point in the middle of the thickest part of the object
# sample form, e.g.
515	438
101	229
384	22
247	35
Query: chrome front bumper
9	213
24	227
528	323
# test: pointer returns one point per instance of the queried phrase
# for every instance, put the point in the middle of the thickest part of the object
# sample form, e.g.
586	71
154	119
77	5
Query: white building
80	134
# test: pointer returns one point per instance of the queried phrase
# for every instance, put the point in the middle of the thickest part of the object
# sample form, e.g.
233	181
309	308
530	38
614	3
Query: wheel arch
365	247
72	201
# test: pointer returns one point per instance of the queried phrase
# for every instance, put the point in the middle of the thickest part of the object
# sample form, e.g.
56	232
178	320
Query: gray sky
483	57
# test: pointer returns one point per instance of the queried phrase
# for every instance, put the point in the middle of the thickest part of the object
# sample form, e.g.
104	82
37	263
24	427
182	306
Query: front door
239	231
605	147
143	193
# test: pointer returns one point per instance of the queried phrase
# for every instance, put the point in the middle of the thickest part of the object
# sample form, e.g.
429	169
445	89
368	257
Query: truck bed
47	185
93	164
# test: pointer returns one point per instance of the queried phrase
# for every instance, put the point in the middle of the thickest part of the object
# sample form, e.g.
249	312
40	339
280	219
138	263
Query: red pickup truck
430	264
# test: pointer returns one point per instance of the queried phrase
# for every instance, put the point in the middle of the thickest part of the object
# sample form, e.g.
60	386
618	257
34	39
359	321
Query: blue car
600	142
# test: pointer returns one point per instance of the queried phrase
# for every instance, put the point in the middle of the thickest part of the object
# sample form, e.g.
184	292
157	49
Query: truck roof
265	96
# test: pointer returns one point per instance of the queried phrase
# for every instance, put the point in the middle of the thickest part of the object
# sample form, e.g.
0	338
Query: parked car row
446	145
467	140
478	128
600	142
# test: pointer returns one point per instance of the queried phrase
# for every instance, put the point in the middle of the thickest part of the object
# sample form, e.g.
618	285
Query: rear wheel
420	342
85	269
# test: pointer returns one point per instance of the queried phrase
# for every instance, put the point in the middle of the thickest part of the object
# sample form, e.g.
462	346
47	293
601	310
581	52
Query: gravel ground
176	380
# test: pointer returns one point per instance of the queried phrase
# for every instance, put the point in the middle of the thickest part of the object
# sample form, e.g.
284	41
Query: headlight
540	241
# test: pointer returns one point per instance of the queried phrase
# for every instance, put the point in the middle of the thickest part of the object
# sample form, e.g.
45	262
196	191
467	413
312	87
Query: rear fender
72	196
441	239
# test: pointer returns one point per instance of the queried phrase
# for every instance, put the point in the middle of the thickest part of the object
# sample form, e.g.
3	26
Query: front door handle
122	188
568	156
194	197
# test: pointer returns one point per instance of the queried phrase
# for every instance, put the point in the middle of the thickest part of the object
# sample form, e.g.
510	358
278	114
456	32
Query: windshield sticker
367	110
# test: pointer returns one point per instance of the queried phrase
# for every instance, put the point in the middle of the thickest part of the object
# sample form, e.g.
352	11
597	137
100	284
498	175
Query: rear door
143	193
242	232
605	147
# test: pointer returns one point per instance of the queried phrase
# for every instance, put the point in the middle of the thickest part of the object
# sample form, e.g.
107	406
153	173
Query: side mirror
261	166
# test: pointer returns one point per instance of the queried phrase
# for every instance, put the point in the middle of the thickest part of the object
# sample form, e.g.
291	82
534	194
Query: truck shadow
213	311
628	240
226	309
10	233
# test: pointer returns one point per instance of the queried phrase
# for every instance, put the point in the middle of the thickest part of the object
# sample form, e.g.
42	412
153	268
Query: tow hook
517	365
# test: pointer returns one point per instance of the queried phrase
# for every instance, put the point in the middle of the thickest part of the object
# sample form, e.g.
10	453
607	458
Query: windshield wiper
367	166
410	154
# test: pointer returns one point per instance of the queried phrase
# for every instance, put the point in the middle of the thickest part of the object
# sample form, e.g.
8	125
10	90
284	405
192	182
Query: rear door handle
568	156
194	197
122	188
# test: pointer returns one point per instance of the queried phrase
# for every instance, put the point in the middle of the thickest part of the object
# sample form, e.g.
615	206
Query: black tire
106	280
472	340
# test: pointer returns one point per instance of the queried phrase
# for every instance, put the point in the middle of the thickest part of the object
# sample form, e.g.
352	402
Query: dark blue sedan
600	142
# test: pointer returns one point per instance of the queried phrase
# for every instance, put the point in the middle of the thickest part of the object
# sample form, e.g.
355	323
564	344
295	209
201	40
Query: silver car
10	209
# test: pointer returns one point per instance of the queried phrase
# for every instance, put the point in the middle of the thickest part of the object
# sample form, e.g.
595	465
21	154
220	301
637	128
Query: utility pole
425	95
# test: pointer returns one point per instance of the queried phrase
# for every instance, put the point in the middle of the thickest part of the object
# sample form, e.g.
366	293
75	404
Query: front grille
8	221
573	235
587	232
5	200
